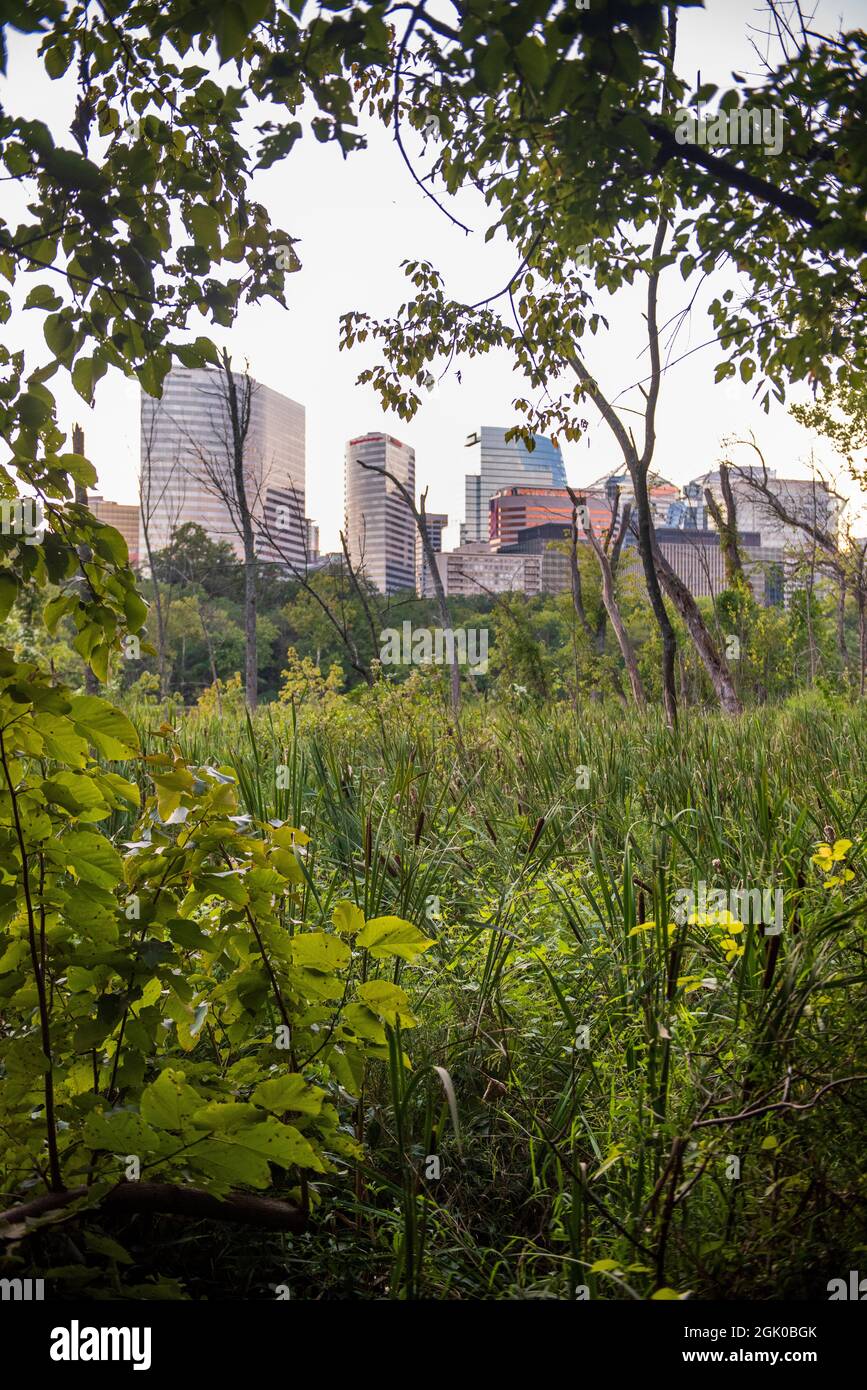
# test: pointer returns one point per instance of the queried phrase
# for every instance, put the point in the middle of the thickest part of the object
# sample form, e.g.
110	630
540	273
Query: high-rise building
436	524
122	516
503	464
806	499
380	528
186	464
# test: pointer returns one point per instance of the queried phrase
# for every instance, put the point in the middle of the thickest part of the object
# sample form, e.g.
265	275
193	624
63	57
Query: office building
694	555
807	499
504	464
186	464
475	568
380	528
600	494
515	509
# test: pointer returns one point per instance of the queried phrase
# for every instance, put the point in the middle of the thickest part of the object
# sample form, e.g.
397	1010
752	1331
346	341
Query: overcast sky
357	219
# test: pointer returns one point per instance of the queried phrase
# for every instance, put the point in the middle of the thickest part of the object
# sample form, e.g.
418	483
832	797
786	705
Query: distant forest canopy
538	650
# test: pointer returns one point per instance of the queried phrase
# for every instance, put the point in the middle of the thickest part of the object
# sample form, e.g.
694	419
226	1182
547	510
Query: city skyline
296	352
381	532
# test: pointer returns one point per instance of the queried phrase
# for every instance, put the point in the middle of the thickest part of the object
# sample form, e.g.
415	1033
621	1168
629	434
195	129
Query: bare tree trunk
811	636
251	656
613	611
612	608
362	597
714	662
727	526
210	646
145	501
575	573
430	557
646	547
239	416
442	605
162	652
841	624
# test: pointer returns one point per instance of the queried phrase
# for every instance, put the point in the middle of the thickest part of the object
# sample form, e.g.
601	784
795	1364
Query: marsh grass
611	1068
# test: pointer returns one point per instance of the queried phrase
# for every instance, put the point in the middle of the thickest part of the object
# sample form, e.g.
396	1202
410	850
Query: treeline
541	648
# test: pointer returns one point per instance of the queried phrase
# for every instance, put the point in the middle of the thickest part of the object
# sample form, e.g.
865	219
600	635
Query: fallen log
169	1199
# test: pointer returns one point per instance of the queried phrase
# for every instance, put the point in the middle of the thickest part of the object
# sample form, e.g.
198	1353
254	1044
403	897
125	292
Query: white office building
187	456
380	528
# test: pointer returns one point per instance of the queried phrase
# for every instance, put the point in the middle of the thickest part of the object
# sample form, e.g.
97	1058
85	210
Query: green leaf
392	936
43	297
224	1115
86	372
389	1002
205	224
119	1132
319	950
290	1092
276	1143
534	60
105	727
367	1026
93	858
8	593
169	1103
231	28
632	129
347	918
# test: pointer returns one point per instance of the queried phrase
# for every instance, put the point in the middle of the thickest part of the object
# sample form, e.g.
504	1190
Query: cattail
419	826
540	826
773	951
490	829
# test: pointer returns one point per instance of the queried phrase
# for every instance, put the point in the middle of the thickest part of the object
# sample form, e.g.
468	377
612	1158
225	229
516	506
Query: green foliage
567	122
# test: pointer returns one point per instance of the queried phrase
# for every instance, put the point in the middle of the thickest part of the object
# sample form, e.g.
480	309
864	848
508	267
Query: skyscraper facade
503	464
380	528
186	464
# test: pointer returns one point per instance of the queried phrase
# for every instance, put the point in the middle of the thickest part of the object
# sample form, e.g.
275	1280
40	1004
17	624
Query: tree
150	502
420	518
569	123
839	552
134	226
727	525
608	569
220	460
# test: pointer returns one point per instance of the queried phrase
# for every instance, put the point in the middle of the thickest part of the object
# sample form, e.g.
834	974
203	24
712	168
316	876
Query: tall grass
643	1104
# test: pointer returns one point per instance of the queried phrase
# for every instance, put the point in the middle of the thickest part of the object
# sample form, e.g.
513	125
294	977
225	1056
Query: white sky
357	219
